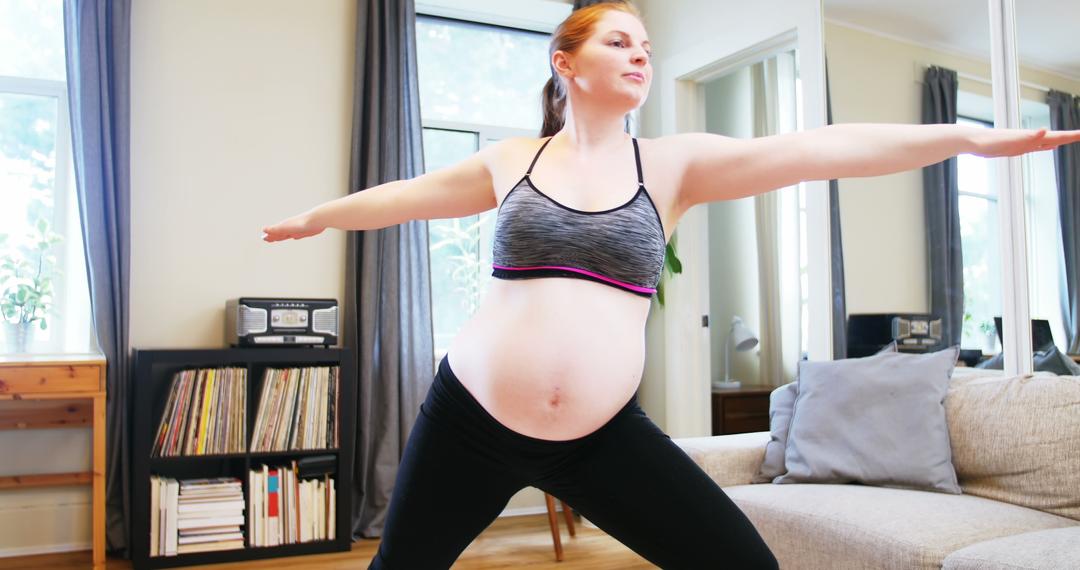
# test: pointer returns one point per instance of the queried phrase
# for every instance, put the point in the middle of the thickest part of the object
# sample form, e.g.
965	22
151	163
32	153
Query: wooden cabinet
59	391
740	410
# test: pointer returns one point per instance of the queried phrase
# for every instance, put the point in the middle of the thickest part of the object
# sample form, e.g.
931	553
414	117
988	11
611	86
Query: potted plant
26	274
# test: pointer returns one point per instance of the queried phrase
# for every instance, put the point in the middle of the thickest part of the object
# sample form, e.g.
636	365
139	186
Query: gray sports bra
536	237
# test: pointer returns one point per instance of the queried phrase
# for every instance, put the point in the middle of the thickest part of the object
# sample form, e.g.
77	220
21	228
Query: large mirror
915	253
756	262
1048	58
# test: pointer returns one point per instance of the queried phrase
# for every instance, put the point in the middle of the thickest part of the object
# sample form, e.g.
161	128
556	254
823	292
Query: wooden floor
508	542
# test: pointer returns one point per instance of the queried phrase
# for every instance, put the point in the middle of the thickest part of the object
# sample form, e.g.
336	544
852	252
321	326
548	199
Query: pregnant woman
539	386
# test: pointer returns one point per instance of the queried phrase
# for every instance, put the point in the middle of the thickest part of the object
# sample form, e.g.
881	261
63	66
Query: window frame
63	200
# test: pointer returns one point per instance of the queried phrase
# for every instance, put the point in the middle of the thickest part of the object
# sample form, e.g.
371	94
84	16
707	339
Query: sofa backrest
1017	439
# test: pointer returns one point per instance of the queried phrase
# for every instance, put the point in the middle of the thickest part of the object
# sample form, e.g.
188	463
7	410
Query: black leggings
461	466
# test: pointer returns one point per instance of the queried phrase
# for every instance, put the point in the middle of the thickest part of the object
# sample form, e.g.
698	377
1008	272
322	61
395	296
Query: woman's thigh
646	492
446	492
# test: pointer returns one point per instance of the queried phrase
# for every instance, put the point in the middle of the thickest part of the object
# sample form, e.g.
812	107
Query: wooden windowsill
50	357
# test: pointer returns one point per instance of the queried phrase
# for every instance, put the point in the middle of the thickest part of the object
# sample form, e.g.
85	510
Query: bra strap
637	159
529	171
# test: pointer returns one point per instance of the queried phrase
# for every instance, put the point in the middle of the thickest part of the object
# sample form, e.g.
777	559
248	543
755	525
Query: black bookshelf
154	371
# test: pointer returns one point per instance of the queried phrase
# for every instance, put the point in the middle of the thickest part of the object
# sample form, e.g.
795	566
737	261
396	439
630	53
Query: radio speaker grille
252	320
325	321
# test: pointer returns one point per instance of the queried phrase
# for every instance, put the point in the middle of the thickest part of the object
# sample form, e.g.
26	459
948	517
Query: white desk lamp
744	340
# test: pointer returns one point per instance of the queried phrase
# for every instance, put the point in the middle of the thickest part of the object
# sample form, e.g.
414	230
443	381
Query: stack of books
204	413
297	409
195	515
293	503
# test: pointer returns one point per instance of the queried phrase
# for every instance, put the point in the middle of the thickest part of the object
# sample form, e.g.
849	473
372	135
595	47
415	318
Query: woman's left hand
1011	142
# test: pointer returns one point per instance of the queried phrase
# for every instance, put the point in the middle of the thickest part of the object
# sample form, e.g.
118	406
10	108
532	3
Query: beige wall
873	79
241	115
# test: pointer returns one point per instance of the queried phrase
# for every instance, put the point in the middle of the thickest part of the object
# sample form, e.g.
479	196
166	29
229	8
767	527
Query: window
979	238
37	181
1045	254
479	83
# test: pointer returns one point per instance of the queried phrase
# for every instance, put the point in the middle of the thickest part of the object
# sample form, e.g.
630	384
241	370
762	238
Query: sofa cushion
1015	439
878	420
781	402
731	459
1055	549
809	526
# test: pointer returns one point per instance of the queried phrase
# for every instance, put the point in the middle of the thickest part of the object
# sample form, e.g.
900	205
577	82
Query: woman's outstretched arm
716	167
454	191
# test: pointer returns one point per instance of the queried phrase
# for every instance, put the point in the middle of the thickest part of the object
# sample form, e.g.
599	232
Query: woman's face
613	66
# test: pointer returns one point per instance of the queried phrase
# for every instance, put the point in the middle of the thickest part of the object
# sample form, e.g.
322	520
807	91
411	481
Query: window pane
32	39
27	160
982	290
455	244
477	73
980	248
27	175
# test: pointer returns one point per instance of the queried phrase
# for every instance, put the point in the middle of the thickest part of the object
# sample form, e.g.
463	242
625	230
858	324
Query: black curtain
1065	115
836	248
941	200
97	45
388	326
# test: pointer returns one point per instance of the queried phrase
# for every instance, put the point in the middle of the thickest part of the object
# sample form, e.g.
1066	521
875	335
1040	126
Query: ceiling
1045	29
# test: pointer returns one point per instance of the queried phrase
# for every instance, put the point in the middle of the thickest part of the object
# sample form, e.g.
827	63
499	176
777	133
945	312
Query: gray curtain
1065	115
941	200
97	38
836	243
388	326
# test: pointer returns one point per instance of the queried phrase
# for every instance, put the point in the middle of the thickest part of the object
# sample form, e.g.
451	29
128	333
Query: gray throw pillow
995	362
781	401
878	420
1052	360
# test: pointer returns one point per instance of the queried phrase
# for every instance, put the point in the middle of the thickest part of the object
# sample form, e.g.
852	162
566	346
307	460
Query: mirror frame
1005	71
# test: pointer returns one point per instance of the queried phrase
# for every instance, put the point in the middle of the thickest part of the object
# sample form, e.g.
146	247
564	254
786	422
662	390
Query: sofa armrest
732	459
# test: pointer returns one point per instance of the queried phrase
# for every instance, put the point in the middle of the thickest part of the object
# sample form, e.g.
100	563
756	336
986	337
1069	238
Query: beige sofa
1016	449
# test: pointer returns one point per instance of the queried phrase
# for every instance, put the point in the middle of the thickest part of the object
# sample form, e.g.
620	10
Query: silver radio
260	321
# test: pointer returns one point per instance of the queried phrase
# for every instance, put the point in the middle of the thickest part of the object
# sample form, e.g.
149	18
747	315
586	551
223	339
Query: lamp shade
743	338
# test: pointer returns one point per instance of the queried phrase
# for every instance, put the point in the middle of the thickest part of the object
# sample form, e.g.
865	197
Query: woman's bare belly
552	358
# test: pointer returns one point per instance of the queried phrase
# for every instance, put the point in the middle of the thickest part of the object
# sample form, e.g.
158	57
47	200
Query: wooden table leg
98	501
568	516
554	522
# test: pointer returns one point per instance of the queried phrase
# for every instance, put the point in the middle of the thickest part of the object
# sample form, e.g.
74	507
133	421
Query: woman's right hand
296	227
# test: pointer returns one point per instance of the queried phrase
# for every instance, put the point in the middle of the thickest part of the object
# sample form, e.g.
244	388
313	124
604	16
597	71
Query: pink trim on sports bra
583	271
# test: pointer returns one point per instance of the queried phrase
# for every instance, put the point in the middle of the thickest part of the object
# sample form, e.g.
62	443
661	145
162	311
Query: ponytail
554	106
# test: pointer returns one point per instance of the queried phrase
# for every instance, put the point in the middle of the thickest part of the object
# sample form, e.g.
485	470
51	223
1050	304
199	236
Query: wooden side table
66	391
740	410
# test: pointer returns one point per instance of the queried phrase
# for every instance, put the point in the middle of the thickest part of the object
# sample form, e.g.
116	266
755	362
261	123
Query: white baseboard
43	549
521	511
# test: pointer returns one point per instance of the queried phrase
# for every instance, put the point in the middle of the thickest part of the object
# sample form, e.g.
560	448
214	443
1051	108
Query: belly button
554	400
